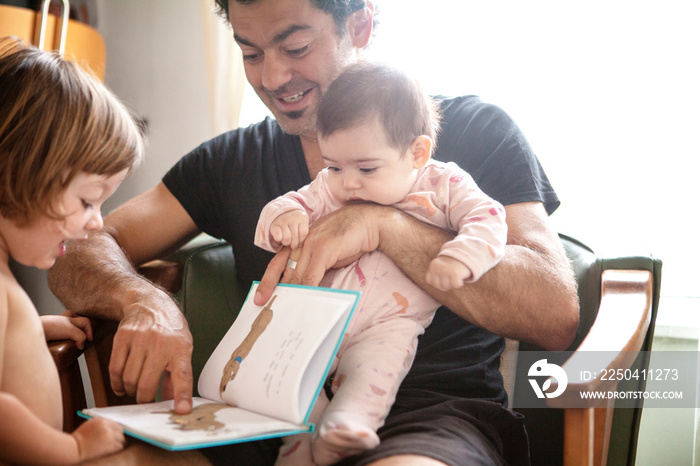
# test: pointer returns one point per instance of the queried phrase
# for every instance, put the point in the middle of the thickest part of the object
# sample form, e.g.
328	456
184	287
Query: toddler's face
363	167
39	243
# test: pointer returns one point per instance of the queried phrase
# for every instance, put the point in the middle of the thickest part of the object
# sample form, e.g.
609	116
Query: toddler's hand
98	437
68	325
290	229
446	273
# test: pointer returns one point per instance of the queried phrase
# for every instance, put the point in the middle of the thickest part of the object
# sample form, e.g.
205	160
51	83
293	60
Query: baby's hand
446	273
290	229
68	325
98	437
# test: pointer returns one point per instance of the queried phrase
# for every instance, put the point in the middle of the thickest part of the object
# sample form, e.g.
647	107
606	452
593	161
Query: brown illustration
201	418
258	327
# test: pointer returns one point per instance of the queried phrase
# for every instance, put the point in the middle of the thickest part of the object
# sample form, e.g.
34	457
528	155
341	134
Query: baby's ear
420	149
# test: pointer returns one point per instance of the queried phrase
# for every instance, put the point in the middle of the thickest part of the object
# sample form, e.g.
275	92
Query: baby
66	143
376	131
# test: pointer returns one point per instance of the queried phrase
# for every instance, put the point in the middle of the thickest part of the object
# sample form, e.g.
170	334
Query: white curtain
224	66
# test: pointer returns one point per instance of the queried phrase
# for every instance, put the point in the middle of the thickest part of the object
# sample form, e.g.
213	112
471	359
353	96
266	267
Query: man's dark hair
339	9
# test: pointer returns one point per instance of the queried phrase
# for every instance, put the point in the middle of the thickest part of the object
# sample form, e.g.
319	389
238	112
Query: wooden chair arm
96	353
614	340
64	353
166	274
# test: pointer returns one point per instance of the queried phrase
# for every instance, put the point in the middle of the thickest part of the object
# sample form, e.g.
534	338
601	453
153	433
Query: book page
271	351
209	424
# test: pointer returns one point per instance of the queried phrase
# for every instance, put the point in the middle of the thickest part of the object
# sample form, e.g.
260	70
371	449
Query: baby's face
39	243
363	167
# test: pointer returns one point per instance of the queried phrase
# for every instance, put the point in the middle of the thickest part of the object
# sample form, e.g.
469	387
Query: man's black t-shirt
224	184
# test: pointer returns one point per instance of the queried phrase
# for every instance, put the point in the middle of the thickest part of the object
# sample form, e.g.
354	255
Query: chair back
210	297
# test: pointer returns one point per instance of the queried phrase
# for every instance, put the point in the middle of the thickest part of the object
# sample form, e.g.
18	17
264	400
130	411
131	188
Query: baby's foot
341	435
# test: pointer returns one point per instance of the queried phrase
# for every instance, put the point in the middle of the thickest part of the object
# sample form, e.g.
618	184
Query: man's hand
96	278
335	240
148	344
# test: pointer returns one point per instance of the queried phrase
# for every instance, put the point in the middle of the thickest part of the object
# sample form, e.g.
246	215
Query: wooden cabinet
84	45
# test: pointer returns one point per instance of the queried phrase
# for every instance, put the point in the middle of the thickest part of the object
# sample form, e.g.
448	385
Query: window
606	92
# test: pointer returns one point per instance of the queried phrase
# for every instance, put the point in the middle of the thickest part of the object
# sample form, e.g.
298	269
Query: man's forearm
96	279
530	295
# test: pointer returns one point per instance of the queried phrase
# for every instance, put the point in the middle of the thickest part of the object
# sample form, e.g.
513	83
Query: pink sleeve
479	221
313	199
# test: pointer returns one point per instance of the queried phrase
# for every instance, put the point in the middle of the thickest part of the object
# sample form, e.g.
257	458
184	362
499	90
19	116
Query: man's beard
297	122
295	115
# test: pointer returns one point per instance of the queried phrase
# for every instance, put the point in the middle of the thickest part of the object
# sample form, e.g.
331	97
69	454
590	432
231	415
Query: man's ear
360	25
420	150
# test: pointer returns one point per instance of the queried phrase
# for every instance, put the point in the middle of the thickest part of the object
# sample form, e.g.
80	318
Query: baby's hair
56	120
368	92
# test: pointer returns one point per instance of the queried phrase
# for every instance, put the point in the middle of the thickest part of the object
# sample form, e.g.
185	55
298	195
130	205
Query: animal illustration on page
201	417
256	329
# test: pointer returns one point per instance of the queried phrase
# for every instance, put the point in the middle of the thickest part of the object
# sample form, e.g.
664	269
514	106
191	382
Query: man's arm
530	295
96	278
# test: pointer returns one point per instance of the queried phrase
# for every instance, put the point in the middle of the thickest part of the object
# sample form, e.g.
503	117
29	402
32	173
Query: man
448	410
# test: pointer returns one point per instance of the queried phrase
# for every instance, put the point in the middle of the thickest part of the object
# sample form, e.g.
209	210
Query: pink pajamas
380	344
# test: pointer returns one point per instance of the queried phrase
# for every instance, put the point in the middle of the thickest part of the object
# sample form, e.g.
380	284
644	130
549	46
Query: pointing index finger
272	277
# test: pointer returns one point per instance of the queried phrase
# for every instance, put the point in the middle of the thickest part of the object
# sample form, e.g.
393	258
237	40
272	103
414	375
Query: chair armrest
166	274
64	353
614	342
615	338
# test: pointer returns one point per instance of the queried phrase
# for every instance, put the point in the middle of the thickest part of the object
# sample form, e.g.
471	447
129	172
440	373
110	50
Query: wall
669	435
155	63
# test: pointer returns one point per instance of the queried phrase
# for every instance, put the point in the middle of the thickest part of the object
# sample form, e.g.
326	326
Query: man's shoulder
446	100
466	107
471	127
239	146
258	133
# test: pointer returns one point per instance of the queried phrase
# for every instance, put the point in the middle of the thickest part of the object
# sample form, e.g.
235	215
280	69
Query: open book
262	379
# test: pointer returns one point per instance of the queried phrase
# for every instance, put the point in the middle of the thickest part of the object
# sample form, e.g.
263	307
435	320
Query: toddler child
66	143
376	132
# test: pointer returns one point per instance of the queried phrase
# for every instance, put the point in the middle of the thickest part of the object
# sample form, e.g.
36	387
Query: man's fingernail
183	406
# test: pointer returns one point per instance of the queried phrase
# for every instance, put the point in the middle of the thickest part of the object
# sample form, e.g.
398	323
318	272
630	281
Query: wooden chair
619	298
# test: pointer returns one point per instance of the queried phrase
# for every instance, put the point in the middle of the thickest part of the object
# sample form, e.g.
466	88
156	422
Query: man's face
291	53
